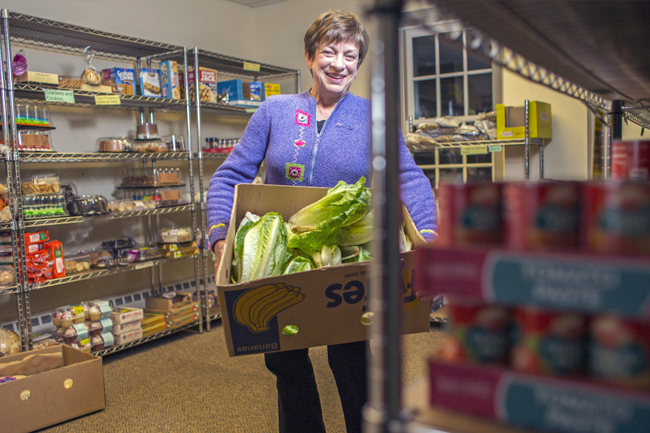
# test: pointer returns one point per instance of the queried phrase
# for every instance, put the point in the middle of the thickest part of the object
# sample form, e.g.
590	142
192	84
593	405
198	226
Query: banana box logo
255	325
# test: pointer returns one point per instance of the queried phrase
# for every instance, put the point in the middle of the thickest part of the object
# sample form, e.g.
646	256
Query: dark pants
298	401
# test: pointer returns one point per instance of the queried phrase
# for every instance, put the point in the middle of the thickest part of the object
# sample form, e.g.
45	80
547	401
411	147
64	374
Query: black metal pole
382	414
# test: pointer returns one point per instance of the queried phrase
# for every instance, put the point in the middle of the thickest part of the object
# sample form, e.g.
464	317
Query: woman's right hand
219	246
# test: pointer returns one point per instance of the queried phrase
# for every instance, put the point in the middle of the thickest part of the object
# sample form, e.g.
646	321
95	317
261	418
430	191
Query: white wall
566	156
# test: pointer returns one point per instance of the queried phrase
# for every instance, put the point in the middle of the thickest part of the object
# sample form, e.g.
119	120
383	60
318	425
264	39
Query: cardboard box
334	301
511	121
128	337
169	79
207	84
162	303
123	328
125	315
149	81
54	396
174	312
179	321
124	78
38	78
271	89
242	93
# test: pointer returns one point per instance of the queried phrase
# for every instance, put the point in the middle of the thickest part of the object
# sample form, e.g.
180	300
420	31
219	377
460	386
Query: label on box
124	78
271	89
207	84
108	338
107	325
52	95
81	329
39	77
123	328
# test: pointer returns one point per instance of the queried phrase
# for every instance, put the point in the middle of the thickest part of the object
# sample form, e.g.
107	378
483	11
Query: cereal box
169	79
124	79
207	84
150	82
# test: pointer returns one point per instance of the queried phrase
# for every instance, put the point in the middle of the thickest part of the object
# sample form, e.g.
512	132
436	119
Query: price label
495	148
52	95
144	265
249	66
251	110
108	100
473	150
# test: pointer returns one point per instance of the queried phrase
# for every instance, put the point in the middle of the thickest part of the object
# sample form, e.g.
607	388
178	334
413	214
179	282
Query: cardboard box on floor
54	396
334	297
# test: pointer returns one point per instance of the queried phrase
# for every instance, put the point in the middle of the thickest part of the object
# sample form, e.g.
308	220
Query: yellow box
271	89
511	121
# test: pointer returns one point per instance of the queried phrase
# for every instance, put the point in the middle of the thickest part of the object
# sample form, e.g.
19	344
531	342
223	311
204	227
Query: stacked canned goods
219	145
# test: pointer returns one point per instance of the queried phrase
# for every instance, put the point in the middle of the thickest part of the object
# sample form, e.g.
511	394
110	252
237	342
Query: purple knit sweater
283	131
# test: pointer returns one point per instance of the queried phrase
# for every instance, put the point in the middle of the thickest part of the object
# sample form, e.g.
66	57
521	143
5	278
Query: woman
316	138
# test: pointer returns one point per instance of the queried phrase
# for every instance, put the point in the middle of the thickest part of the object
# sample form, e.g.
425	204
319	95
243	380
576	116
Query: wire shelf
8	290
146	339
38	157
234	66
421	148
82	276
57	221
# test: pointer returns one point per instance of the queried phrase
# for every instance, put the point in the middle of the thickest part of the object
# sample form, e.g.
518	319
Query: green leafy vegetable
325	221
263	248
298	264
329	255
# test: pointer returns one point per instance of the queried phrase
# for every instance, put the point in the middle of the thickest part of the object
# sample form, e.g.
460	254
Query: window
443	78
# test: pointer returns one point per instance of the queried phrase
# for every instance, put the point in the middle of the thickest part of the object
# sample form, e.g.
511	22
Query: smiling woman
317	138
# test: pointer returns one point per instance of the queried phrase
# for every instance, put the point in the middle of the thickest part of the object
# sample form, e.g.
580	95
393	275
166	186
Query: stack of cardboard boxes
126	325
177	308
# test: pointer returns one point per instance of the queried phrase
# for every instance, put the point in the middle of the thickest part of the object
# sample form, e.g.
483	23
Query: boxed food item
125	315
128	337
149	81
34	141
271	89
150	319
241	92
73	384
153	328
102	341
100	326
207	84
176	235
169	79
38	78
168	300
180	321
174	312
124	78
123	328
333	306
511	121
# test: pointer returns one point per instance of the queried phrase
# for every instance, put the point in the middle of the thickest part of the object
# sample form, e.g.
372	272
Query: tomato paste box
124	78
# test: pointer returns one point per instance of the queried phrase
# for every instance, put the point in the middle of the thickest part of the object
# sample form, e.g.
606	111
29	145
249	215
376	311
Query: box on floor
43	399
334	305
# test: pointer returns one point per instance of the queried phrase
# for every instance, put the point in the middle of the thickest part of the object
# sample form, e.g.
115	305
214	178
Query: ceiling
256	3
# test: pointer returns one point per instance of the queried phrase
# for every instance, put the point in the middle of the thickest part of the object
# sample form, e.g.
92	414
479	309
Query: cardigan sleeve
417	194
240	166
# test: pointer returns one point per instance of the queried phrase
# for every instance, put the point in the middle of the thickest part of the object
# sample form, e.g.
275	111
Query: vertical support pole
526	142
382	413
612	133
541	158
297	81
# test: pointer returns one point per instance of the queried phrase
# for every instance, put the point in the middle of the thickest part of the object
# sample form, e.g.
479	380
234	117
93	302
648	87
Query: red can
617	217
631	160
470	214
543	216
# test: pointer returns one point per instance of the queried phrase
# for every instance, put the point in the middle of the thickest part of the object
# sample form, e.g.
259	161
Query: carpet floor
186	382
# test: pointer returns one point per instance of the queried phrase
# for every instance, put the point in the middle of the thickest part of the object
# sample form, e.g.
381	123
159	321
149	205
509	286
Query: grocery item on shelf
123	328
631	160
175	143
75	334
104	259
119	247
143	254
87	205
41	185
168	197
102	341
145	177
121	206
78	263
97	310
44	206
125	315
9	342
511	121
35	141
149	82
124	78
207	84
33	115
35	237
128	337
176	235
98	327
175	322
216	145
154	328
55	256
176	251
167	177
151	146
147	131
114	144
241	92
7	275
168	300
169	79
39	341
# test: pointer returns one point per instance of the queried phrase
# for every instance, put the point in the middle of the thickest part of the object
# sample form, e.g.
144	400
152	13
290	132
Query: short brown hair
336	26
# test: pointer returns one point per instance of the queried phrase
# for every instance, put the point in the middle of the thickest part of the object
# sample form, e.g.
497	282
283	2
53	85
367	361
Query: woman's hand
218	252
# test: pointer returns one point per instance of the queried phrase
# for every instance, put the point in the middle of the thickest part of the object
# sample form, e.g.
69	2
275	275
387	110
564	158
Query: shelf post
383	412
612	132
526	142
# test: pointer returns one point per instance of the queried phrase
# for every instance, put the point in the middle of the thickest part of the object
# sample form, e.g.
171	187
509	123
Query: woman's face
334	68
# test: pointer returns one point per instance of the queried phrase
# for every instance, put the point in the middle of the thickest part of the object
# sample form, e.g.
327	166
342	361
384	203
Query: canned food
470	214
619	350
631	160
549	342
479	332
542	215
617	217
